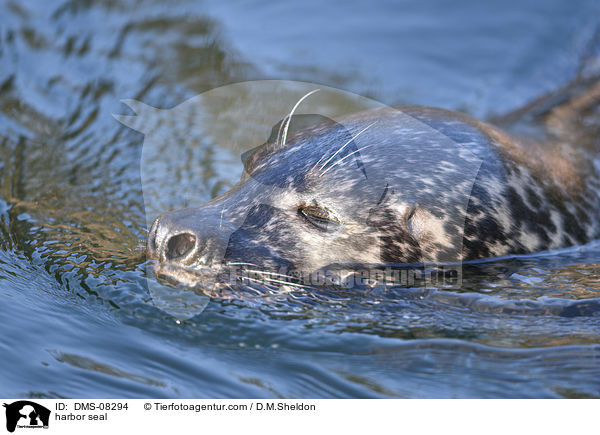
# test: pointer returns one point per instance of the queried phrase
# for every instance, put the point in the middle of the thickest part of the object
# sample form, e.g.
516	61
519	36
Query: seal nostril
180	245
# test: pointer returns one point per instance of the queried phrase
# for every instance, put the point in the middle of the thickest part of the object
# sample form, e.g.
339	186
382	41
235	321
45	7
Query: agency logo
26	414
402	182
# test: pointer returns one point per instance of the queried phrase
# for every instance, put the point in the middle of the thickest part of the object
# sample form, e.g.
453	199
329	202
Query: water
77	318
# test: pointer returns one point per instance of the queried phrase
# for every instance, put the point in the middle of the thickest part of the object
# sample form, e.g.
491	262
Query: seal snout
168	242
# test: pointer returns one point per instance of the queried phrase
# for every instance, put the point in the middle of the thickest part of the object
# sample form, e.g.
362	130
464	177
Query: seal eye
320	217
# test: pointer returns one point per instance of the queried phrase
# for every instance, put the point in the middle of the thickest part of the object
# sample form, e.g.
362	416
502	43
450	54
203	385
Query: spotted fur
420	185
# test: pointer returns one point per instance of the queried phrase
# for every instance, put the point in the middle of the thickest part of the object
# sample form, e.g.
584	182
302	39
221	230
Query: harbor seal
413	185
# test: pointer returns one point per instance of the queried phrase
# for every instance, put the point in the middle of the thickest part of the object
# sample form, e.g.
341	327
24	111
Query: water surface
77	318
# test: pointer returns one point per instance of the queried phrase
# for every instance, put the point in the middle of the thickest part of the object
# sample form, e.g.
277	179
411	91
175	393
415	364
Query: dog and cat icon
25	413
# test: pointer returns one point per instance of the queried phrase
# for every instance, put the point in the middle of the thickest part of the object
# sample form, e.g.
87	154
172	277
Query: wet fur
527	196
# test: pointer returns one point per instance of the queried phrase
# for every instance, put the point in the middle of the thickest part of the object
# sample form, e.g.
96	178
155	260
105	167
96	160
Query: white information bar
301	416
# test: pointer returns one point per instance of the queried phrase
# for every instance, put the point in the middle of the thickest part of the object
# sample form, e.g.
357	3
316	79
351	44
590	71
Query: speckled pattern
409	185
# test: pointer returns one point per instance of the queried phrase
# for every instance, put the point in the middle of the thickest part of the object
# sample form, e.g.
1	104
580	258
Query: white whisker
289	118
341	160
275	280
344	146
270	273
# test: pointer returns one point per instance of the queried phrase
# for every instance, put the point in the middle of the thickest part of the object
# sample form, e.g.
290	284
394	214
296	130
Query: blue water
77	318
